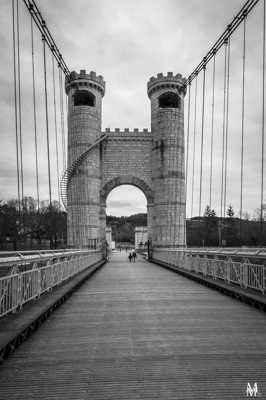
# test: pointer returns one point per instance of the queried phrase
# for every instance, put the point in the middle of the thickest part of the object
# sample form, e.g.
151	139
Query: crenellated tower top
169	81
82	79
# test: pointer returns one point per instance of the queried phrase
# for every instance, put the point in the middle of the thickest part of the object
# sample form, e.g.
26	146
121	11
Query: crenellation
127	132
168	81
82	78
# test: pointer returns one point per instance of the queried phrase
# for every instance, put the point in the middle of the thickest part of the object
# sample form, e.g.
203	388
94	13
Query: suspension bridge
182	322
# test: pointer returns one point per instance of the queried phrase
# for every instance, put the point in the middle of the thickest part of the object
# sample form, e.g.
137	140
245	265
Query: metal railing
244	268
19	288
70	171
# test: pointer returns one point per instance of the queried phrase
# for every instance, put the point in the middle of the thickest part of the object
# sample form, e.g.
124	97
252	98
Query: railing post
228	269
245	273
263	279
20	291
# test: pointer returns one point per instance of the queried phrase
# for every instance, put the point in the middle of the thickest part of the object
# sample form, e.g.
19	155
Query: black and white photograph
132	199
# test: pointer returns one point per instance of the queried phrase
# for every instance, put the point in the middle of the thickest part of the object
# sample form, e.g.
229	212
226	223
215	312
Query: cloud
127	42
126	200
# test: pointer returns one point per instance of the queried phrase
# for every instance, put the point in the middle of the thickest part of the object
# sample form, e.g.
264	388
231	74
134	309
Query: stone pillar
149	220
168	173
85	93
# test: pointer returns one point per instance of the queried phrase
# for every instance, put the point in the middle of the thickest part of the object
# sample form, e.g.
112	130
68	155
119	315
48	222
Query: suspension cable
56	131
41	25
187	153
263	122
237	20
212	125
202	136
15	106
47	121
183	172
224	119
194	146
62	117
188	132
34	117
226	126
66	116
242	124
19	109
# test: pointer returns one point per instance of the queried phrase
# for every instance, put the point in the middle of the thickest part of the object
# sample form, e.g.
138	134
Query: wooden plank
247	295
139	331
16	327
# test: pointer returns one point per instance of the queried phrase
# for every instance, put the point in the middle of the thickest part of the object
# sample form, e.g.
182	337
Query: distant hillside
123	227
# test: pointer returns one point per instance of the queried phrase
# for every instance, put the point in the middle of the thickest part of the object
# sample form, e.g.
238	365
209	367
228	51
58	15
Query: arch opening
126	200
84	98
126	217
138	200
169	100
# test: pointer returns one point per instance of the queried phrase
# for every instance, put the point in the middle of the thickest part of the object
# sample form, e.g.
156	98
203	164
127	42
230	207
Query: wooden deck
139	331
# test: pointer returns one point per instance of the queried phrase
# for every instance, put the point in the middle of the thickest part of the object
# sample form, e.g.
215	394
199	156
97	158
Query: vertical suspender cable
187	154
56	131
223	145
242	125
62	117
188	132
34	118
263	123
194	145
183	171
47	121
212	125
224	119
19	109
66	117
226	126
202	136
15	106
179	185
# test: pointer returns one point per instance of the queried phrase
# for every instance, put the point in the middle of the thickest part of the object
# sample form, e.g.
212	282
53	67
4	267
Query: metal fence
243	268
19	288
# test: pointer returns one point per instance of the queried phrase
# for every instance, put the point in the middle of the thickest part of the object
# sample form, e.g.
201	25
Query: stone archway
126	180
151	160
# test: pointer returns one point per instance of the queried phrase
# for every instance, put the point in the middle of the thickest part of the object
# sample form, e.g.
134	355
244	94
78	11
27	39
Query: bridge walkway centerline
139	331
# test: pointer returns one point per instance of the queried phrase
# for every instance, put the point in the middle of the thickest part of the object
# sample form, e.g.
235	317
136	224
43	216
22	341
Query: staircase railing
69	172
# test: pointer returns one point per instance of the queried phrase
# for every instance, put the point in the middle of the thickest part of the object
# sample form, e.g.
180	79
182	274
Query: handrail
21	287
238	268
234	252
33	258
69	172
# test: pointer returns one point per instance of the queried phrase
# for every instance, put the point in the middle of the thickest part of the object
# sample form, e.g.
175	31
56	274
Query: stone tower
85	93
167	94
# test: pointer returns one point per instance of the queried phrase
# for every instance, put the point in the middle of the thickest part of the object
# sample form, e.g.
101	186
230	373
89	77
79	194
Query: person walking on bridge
134	255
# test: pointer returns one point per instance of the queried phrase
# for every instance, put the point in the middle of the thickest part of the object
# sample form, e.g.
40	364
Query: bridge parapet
127	131
46	272
242	267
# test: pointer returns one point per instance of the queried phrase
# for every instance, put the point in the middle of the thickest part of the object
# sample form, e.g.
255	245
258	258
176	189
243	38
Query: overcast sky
127	42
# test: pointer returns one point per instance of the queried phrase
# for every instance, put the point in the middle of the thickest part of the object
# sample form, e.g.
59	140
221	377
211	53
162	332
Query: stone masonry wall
126	159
